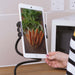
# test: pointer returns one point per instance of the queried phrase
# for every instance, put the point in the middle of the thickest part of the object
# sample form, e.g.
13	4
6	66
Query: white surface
24	64
67	18
66	21
72	4
71	68
72	44
72	56
36	8
57	5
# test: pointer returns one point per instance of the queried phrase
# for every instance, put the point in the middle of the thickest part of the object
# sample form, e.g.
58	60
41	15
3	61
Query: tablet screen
33	31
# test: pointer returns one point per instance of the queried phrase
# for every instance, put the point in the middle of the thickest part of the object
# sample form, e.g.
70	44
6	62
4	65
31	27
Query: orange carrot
36	32
30	37
27	36
41	38
37	39
35	36
40	33
32	34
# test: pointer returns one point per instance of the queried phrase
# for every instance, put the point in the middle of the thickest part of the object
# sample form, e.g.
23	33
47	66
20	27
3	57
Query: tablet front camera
31	6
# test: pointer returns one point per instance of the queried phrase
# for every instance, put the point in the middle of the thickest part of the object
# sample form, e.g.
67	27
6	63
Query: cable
16	45
36	60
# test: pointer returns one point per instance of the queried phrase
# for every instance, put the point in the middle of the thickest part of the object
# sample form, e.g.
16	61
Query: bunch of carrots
34	37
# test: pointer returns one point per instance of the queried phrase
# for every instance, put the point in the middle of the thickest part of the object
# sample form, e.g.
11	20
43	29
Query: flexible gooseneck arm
16	45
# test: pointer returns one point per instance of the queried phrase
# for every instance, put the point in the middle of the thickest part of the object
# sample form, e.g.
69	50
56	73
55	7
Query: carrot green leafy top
31	19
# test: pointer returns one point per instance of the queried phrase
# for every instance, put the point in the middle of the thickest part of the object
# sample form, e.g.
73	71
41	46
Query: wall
8	33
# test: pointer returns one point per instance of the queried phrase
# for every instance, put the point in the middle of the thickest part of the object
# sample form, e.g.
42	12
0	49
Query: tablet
34	41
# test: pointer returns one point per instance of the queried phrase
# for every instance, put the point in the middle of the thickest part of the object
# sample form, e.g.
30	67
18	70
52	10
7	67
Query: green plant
31	20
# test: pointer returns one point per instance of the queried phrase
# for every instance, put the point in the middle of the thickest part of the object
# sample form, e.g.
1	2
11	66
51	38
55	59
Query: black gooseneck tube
16	45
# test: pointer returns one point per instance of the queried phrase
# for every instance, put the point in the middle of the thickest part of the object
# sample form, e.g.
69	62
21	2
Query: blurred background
9	17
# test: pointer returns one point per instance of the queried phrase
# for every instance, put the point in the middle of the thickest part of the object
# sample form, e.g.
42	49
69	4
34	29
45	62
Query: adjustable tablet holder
19	38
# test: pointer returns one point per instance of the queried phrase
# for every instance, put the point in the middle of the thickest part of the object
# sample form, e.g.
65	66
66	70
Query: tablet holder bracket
16	48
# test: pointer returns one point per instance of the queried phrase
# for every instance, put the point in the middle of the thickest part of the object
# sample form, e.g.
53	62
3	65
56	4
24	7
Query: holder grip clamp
16	45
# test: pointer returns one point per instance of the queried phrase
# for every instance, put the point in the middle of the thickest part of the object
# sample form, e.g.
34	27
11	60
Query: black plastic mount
16	45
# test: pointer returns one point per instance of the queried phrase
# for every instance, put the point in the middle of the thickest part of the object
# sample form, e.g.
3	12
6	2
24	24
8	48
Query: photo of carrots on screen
32	24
